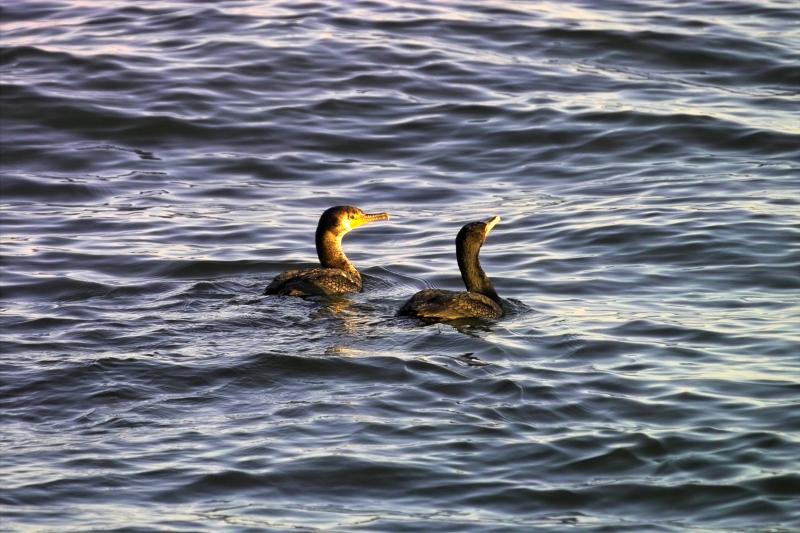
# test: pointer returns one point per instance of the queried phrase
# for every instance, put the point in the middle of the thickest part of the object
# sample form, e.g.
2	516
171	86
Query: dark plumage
337	275
480	300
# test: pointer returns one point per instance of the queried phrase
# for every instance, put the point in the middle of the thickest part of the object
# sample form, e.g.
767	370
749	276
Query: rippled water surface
162	161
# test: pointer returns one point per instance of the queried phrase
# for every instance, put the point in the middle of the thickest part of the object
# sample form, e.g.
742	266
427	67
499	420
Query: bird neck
331	255
475	279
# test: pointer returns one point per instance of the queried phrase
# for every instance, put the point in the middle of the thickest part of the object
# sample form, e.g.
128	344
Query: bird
337	275
479	301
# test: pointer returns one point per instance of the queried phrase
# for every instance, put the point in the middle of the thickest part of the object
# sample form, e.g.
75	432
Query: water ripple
161	163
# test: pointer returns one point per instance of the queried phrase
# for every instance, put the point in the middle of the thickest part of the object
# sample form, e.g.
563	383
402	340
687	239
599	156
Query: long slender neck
475	279
331	255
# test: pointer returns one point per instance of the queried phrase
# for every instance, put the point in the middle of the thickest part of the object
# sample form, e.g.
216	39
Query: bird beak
490	223
373	217
366	218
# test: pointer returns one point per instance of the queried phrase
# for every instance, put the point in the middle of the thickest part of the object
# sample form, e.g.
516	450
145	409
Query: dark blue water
162	161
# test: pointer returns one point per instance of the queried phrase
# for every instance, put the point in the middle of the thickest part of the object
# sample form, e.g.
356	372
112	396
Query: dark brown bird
337	275
480	300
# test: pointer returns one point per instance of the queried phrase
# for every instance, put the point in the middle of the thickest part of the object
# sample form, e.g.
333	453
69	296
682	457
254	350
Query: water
162	161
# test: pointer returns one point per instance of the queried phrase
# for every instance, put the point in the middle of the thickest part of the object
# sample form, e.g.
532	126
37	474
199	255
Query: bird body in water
337	274
480	300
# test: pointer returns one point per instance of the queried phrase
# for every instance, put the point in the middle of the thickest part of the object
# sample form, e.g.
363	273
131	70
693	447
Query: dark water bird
337	275
480	300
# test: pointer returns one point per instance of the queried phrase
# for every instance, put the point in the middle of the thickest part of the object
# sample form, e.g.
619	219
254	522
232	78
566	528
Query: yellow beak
490	223
366	218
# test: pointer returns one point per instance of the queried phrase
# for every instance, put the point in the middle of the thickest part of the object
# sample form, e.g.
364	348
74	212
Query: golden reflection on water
349	319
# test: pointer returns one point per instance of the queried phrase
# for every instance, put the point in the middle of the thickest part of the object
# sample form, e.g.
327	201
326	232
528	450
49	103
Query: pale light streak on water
161	162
